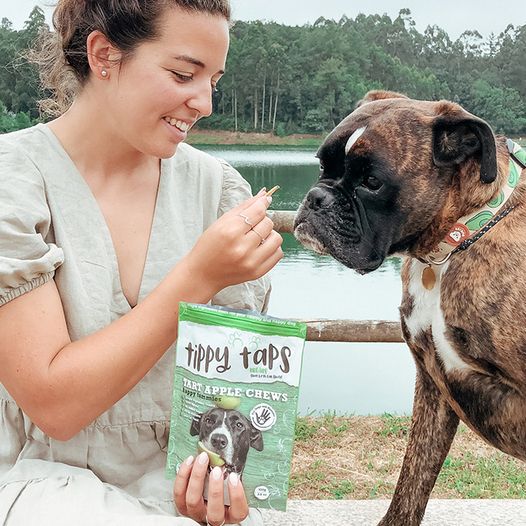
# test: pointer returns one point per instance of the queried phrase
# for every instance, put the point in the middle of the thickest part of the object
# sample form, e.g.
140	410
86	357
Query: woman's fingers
195	504
215	509
238	509
256	212
261	231
181	485
188	493
251	211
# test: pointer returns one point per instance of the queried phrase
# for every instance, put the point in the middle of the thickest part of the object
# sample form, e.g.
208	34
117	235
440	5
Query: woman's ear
458	137
102	54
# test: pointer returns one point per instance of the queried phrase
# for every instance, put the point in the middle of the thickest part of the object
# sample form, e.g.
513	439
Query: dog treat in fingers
272	190
235	397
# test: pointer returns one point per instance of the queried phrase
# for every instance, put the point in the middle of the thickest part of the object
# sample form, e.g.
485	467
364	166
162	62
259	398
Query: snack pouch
235	396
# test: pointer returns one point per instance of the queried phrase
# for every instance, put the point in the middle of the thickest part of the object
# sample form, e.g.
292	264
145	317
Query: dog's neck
465	221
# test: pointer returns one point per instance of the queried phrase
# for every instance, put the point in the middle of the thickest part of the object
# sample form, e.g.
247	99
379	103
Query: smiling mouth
180	125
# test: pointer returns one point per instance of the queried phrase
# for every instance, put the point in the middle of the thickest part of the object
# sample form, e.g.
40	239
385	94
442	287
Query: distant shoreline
229	138
223	137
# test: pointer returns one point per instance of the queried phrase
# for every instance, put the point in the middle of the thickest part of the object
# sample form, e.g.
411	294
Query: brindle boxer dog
396	176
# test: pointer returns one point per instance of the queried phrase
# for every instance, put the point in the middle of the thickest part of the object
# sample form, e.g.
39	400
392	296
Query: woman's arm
63	386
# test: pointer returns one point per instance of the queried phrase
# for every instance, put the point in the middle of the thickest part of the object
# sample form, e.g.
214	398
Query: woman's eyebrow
194	61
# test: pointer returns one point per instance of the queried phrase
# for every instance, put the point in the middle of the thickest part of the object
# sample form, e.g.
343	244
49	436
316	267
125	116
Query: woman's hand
188	494
240	246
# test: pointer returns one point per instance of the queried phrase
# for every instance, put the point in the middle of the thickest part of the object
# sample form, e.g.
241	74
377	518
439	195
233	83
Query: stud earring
104	73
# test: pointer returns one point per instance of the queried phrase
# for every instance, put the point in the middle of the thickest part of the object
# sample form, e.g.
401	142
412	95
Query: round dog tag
428	278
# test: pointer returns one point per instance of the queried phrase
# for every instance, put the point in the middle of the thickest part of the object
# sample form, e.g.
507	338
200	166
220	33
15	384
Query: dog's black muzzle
329	222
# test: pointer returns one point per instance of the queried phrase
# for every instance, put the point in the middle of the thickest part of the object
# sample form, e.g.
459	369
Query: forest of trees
305	79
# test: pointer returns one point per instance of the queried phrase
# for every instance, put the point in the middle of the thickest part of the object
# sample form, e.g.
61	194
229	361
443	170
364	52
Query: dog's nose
318	198
219	441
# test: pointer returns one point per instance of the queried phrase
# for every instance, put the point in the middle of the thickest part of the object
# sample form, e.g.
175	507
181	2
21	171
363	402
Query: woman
107	222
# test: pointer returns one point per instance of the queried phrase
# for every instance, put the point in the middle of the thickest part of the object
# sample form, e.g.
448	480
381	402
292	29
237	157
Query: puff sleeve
26	260
251	295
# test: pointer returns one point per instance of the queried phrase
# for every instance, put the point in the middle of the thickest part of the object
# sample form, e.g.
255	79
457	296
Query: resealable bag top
235	396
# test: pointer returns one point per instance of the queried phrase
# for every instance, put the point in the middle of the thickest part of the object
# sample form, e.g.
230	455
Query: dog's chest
422	313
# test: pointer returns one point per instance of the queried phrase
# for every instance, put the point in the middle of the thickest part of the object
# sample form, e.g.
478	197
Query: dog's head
393	175
229	434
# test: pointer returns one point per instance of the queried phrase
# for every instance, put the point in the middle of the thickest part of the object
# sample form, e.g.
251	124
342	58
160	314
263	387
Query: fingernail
269	199
216	473
234	479
189	460
262	191
202	458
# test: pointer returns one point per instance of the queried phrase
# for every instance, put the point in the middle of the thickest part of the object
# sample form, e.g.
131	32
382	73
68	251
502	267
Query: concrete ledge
369	512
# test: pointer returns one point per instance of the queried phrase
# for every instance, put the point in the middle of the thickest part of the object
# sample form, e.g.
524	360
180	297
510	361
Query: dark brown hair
62	55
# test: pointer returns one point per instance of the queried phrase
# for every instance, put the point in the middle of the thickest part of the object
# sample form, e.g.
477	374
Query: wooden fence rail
324	330
353	331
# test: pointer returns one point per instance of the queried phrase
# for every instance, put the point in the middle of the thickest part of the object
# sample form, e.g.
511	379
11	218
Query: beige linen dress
51	227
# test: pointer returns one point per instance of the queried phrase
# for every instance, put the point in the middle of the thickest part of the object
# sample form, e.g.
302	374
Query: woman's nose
201	101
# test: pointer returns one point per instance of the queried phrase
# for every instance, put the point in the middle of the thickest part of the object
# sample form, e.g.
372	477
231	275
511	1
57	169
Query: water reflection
267	158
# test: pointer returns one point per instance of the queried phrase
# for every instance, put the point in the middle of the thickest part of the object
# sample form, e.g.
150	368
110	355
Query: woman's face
159	92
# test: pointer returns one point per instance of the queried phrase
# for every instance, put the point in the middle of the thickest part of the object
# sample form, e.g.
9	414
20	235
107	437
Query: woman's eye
372	183
181	77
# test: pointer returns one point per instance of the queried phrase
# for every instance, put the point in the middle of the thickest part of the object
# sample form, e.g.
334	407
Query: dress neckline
82	185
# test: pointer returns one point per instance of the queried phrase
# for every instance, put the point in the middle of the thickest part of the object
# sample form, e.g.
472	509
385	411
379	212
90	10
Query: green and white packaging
235	396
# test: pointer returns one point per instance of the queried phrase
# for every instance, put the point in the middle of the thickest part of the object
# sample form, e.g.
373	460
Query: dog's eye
372	183
239	425
208	420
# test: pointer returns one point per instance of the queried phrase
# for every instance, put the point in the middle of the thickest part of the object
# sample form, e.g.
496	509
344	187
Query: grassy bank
360	458
218	137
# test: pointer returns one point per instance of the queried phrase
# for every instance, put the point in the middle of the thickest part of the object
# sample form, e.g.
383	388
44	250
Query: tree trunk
270	106
235	110
255	109
275	106
271	98
264	100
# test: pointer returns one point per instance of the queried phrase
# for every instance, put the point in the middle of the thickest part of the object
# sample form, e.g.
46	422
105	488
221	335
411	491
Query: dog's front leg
433	428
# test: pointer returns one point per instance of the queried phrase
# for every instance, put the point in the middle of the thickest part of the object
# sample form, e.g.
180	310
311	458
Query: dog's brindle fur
438	163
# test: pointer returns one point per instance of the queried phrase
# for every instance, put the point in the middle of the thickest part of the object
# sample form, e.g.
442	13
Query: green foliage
285	80
13	121
306	428
496	477
395	425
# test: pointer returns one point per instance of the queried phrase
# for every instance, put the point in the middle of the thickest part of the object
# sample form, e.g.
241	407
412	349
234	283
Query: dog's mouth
338	235
301	232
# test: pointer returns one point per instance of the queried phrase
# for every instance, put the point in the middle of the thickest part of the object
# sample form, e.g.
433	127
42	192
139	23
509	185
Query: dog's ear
196	425
379	95
256	439
460	136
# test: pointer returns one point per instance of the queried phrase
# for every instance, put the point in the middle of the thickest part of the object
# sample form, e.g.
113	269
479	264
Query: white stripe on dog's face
228	453
353	138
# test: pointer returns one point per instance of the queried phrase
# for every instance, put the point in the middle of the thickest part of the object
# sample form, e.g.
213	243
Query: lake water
346	378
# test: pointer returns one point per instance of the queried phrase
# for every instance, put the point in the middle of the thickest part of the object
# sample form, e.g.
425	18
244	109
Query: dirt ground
360	458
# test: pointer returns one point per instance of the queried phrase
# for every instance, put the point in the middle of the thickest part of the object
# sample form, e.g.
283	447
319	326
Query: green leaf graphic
477	222
497	201
513	179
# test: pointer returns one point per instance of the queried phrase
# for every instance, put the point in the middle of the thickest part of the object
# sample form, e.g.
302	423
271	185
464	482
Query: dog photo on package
235	397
